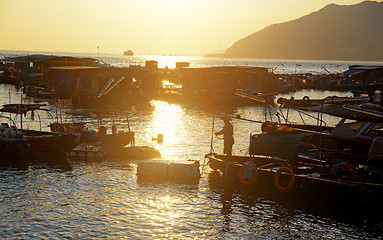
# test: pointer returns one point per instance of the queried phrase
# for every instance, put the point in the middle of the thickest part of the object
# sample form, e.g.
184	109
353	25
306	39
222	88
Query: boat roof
32	58
74	68
226	68
19	108
356	69
44	57
353	112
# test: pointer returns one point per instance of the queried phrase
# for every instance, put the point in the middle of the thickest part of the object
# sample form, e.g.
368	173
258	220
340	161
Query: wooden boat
13	152
307	102
115	140
42	147
355	112
258	96
128	53
90	150
285	173
203	98
351	137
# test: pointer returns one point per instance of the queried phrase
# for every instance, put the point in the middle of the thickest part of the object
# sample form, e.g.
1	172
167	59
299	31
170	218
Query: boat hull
307	186
13	153
113	140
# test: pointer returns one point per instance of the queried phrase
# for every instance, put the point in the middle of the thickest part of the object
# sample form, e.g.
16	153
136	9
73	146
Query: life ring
306	98
253	178
285	129
281	101
213	166
349	167
289	186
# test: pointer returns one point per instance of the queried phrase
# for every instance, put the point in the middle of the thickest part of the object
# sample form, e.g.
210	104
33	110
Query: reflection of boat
128	53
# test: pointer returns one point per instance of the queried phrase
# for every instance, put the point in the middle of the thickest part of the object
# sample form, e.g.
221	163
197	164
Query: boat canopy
353	112
269	145
19	108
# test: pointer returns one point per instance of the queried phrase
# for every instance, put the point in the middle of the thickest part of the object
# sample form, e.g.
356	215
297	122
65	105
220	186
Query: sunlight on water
168	120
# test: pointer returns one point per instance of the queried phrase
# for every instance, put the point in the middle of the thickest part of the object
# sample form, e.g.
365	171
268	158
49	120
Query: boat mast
9	97
212	135
21	115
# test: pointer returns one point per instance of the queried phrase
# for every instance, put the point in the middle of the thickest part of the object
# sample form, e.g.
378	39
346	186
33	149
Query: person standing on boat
227	132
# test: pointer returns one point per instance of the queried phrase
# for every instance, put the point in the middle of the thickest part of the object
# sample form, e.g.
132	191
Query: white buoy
159	139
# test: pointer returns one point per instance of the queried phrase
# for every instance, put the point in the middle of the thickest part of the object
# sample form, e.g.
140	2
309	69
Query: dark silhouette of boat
27	146
340	164
128	53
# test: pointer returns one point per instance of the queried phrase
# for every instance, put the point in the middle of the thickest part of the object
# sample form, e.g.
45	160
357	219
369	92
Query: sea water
104	199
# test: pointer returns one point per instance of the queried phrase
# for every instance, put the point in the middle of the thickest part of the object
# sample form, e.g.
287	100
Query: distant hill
336	32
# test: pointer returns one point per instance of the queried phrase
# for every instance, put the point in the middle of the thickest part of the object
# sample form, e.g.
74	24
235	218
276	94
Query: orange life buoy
349	167
289	186
213	166
285	129
253	178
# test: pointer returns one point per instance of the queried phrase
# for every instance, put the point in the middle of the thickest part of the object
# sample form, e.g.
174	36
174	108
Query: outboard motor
374	164
376	148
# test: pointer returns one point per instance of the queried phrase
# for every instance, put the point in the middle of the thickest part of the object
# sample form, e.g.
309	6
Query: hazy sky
182	27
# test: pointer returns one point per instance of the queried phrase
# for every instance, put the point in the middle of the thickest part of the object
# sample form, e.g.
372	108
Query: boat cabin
227	79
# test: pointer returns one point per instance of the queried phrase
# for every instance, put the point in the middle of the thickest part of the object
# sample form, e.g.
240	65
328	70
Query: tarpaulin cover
282	146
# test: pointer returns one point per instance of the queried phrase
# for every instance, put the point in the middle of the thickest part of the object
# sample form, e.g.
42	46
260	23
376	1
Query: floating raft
154	170
100	150
90	150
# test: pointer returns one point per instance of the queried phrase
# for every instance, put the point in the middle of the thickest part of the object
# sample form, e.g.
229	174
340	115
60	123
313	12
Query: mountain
336	32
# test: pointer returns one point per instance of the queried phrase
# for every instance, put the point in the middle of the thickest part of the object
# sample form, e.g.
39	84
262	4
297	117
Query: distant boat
128	53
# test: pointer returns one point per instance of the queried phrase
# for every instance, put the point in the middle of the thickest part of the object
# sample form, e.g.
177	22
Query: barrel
152	170
183	171
165	171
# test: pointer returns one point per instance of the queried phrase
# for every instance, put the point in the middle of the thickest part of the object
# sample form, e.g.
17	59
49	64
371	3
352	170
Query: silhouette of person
227	132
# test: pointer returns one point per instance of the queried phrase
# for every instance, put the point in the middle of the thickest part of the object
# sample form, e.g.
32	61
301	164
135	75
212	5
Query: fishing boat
128	53
34	146
97	145
13	148
284	173
258	96
351	136
307	102
205	98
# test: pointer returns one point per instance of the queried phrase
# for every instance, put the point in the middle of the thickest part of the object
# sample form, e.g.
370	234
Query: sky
148	27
